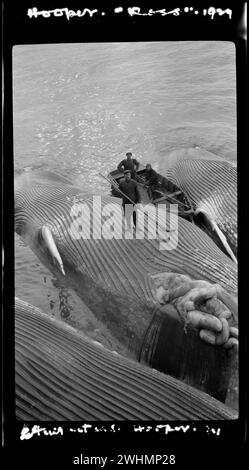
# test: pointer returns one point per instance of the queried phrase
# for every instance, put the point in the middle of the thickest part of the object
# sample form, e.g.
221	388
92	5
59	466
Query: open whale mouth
208	225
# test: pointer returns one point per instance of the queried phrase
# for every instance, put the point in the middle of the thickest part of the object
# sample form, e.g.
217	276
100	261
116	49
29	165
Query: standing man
129	164
151	177
129	188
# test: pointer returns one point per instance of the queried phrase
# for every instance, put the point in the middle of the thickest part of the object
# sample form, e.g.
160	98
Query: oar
115	184
168	196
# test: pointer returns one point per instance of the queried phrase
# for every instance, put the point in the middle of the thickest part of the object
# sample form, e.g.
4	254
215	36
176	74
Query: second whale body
61	375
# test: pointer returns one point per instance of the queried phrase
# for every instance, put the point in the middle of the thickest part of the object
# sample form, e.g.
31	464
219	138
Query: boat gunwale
118	175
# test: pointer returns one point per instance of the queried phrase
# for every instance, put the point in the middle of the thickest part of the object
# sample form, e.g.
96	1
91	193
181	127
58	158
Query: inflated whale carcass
61	375
161	305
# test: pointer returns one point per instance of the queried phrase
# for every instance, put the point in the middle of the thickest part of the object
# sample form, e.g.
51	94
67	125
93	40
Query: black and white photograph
117	325
125	179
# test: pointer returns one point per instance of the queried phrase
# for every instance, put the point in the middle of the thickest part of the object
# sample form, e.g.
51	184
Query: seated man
129	164
129	188
151	177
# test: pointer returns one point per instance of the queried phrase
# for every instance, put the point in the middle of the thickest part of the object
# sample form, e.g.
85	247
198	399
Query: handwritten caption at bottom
38	431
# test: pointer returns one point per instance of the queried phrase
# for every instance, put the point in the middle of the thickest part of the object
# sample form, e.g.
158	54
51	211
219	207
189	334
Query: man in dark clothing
129	188
129	164
151	178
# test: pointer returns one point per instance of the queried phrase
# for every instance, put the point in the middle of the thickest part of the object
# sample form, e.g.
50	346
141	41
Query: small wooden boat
165	192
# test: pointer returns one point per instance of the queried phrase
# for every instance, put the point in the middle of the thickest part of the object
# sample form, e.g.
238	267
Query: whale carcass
62	375
210	185
159	305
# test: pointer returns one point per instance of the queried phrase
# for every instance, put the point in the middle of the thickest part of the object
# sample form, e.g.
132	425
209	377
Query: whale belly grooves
114	279
211	187
154	335
196	254
61	375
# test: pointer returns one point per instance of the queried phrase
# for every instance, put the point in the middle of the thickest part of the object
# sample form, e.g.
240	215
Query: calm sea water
78	108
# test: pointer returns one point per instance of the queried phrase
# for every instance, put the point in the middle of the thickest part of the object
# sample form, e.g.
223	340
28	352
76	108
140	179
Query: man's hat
129	153
127	171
